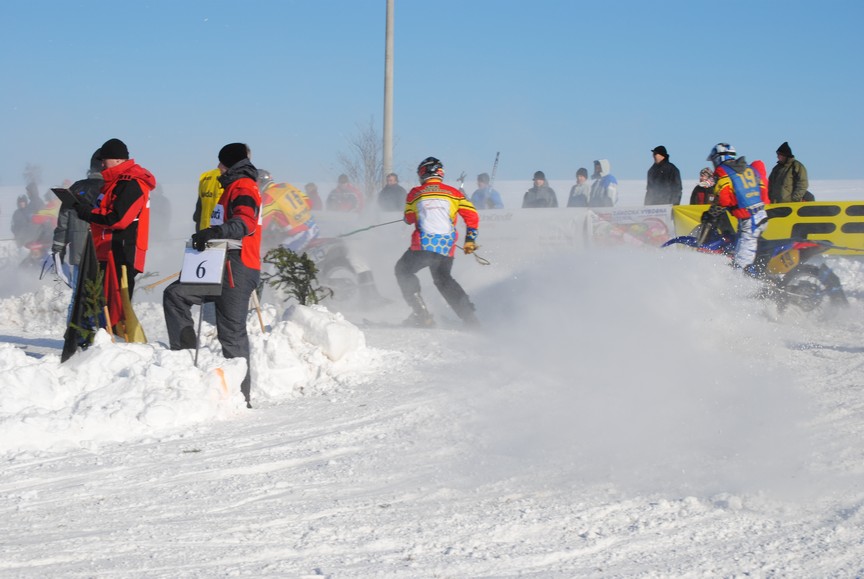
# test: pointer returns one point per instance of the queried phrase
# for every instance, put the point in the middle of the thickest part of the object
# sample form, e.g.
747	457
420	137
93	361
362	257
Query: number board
203	267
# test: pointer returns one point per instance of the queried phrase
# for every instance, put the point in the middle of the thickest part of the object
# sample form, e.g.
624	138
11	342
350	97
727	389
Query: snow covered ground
622	413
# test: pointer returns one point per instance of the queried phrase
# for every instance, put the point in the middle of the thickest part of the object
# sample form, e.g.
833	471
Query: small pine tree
93	301
297	275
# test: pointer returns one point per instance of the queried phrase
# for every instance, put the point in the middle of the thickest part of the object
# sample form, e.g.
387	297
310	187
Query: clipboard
66	196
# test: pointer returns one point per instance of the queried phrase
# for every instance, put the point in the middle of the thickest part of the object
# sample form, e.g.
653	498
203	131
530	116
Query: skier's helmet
264	179
720	153
430	167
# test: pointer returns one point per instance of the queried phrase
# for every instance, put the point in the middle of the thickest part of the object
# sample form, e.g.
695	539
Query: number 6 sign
203	267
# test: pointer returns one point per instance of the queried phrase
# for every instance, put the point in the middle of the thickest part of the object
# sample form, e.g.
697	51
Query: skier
432	207
742	188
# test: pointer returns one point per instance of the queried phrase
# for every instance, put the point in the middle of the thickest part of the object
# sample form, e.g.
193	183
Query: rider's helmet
264	179
430	167
720	153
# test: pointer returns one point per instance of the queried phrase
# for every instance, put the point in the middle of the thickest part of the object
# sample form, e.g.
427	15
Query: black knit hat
233	153
785	150
540	175
582	171
660	150
113	149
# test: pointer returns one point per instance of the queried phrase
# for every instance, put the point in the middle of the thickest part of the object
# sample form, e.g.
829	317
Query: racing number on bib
749	178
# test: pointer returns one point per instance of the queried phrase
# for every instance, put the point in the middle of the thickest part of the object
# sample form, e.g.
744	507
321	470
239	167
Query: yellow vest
209	192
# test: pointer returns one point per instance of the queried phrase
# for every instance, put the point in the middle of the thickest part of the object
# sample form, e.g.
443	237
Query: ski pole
480	260
371	227
257	305
149	287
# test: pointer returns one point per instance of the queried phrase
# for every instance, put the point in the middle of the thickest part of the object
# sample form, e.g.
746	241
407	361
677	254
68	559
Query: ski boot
421	318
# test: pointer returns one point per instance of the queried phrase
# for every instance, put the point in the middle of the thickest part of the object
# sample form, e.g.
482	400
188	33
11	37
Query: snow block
333	334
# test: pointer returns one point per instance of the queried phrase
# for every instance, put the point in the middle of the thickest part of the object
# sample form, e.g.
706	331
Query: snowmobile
782	264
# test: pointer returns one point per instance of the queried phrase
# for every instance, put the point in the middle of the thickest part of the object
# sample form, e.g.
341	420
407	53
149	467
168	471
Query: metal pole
388	91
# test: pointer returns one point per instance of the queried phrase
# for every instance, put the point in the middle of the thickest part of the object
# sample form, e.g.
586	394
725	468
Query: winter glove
469	247
200	239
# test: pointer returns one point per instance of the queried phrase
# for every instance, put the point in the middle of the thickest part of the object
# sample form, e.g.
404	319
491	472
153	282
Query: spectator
703	192
743	189
345	197
580	191
392	196
35	203
236	217
70	235
209	192
22	227
485	197
788	181
664	180
541	194
313	196
604	185
433	207
120	223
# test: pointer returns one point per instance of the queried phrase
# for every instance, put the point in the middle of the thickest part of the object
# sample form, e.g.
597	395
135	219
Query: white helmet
720	153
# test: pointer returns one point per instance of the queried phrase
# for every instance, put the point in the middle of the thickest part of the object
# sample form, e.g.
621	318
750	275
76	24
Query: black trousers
440	267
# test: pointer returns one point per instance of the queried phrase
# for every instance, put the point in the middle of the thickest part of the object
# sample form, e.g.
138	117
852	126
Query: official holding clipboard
70	234
120	223
235	225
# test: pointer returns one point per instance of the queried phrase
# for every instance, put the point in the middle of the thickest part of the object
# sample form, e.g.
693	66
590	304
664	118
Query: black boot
421	318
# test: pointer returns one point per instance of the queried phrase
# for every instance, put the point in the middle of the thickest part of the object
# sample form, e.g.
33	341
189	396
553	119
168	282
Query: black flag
86	303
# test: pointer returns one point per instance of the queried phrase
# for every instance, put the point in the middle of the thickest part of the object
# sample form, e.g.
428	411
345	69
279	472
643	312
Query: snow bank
116	391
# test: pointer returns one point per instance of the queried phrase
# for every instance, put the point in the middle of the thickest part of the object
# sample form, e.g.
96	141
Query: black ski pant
439	266
232	308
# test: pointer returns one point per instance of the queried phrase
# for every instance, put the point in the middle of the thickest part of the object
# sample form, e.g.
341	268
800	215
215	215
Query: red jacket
121	223
241	200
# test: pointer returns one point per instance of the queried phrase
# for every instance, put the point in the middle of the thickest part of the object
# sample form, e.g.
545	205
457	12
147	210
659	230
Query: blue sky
552	85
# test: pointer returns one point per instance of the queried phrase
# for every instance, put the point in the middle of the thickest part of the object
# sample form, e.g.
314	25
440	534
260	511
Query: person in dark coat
22	227
541	194
788	180
664	180
70	234
392	196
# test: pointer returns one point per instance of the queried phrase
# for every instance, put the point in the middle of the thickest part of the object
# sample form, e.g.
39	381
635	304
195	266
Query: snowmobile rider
286	214
235	216
432	207
741	188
